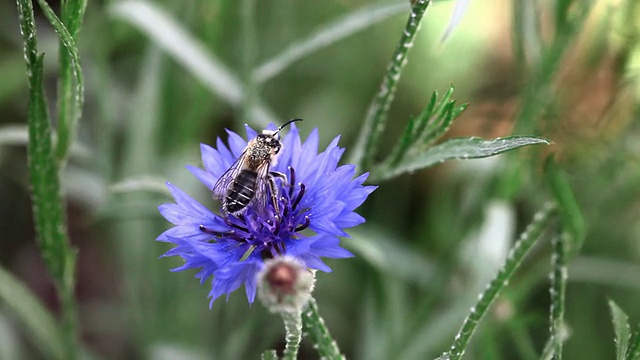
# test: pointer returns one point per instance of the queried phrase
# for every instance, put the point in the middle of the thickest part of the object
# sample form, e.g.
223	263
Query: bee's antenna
287	123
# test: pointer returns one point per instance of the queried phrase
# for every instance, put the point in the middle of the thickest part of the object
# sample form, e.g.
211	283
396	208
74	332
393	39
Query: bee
249	180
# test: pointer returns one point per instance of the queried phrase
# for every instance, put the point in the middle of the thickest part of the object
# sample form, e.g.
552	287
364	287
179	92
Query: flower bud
285	285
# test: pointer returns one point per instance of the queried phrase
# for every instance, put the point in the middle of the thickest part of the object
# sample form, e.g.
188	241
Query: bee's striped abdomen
241	191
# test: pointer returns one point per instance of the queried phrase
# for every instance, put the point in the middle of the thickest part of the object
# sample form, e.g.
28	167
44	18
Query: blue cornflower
316	202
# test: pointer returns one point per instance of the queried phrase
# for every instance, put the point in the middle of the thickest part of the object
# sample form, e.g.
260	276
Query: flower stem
316	329
293	326
517	253
374	122
558	288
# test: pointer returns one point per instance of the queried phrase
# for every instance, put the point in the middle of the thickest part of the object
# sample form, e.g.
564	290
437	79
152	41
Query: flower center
267	231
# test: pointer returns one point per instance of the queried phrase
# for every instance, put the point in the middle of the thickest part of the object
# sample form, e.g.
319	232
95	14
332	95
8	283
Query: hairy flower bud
285	285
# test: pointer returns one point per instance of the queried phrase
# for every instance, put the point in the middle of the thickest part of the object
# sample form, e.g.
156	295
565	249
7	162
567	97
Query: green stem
558	289
269	355
66	103
515	257
70	83
48	204
315	328
376	117
293	326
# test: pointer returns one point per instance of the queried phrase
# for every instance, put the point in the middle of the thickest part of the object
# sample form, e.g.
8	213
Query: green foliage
517	253
70	99
633	351
162	76
461	148
627	342
376	118
621	328
48	206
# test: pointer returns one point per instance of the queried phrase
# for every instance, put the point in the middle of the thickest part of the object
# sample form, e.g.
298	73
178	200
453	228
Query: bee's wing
263	194
222	185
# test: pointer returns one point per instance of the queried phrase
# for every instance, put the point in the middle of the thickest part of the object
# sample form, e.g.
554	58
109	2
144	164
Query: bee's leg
212	232
277	174
274	193
286	182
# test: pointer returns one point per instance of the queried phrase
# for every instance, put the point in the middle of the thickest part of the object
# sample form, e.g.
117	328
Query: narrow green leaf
71	100
517	253
325	36
375	120
444	101
37	321
167	34
458	110
633	351
572	219
425	115
460	148
621	328
440	125
406	140
45	185
440	118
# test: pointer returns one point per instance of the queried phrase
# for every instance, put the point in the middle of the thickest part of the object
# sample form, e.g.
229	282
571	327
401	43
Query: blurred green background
432	239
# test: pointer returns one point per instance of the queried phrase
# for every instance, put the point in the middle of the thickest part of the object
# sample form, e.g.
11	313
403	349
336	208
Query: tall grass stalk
375	120
517	253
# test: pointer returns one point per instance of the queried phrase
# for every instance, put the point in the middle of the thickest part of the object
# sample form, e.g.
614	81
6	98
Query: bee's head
271	138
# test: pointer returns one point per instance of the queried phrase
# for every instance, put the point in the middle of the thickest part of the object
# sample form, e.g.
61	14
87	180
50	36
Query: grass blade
167	34
461	148
36	320
572	219
18	135
458	11
374	122
71	100
621	328
517	253
325	36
